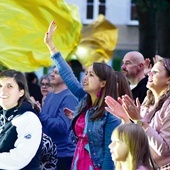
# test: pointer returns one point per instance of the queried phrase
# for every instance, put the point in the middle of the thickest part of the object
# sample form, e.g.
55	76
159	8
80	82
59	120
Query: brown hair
123	85
21	82
150	97
105	73
137	144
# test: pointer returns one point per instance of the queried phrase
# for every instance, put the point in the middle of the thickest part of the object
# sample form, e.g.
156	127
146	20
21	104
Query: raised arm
48	38
64	69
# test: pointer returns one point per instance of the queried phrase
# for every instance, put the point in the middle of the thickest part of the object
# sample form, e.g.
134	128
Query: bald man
133	68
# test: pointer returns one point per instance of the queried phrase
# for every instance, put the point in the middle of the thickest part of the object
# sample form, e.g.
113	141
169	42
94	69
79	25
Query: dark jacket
20	138
140	90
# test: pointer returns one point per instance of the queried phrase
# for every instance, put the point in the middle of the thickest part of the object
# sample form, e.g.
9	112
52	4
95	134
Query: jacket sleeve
67	75
29	132
111	123
159	131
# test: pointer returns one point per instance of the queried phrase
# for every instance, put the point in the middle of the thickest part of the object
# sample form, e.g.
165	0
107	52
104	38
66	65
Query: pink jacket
158	132
142	168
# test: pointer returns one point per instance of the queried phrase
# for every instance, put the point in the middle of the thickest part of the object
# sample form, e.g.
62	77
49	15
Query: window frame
130	21
95	4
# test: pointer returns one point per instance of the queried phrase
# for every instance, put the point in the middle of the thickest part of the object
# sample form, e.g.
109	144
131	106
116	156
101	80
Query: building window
93	9
90	9
102	7
133	17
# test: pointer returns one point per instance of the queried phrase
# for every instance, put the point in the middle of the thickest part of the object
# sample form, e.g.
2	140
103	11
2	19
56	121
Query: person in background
55	123
154	113
45	86
20	128
48	159
92	125
33	86
122	85
130	148
133	67
77	68
49	148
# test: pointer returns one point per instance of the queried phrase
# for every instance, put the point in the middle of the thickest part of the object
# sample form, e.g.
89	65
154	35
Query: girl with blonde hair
130	148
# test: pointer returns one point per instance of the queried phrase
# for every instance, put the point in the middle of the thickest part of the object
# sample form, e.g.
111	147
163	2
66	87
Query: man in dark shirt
133	66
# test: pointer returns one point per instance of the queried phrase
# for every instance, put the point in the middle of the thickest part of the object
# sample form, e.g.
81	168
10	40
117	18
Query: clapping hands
124	108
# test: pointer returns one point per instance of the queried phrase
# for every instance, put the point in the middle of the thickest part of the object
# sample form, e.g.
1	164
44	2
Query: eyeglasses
45	84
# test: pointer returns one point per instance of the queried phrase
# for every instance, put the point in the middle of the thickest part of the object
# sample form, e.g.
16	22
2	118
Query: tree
154	27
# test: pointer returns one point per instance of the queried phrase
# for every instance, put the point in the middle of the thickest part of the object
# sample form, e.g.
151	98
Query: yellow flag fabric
98	41
22	27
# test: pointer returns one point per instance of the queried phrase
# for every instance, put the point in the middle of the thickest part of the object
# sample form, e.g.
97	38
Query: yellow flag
98	41
22	27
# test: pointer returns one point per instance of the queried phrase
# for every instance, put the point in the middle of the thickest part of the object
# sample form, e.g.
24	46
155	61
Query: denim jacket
98	144
98	131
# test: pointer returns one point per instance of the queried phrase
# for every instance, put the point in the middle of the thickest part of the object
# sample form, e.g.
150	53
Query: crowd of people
110	121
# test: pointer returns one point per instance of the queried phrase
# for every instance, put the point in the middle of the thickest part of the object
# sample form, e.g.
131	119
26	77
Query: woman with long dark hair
92	124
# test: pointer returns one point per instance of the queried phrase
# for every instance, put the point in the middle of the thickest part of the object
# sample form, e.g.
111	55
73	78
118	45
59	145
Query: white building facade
121	13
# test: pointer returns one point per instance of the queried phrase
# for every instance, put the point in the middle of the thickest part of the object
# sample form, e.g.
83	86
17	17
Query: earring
98	94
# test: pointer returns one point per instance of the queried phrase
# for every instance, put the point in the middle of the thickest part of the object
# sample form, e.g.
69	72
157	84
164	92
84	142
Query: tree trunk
163	32
147	32
154	27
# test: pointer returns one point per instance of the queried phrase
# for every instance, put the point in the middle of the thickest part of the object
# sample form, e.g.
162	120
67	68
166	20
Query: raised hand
116	109
148	66
37	104
130	108
156	58
48	38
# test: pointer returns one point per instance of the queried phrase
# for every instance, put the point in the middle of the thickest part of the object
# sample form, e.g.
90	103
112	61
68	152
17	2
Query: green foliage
146	5
2	68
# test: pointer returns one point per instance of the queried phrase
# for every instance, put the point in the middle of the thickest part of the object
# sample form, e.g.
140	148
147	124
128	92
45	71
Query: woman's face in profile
158	79
91	82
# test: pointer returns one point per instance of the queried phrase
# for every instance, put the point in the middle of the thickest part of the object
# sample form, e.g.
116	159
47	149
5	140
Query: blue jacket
99	131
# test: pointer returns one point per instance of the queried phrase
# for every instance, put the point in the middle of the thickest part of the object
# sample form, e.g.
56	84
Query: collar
11	113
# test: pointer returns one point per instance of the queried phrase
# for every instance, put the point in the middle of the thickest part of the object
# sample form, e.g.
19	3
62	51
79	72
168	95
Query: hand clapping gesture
124	108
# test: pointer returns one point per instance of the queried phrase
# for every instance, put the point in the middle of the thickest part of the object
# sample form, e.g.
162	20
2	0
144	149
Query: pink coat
142	168
158	132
